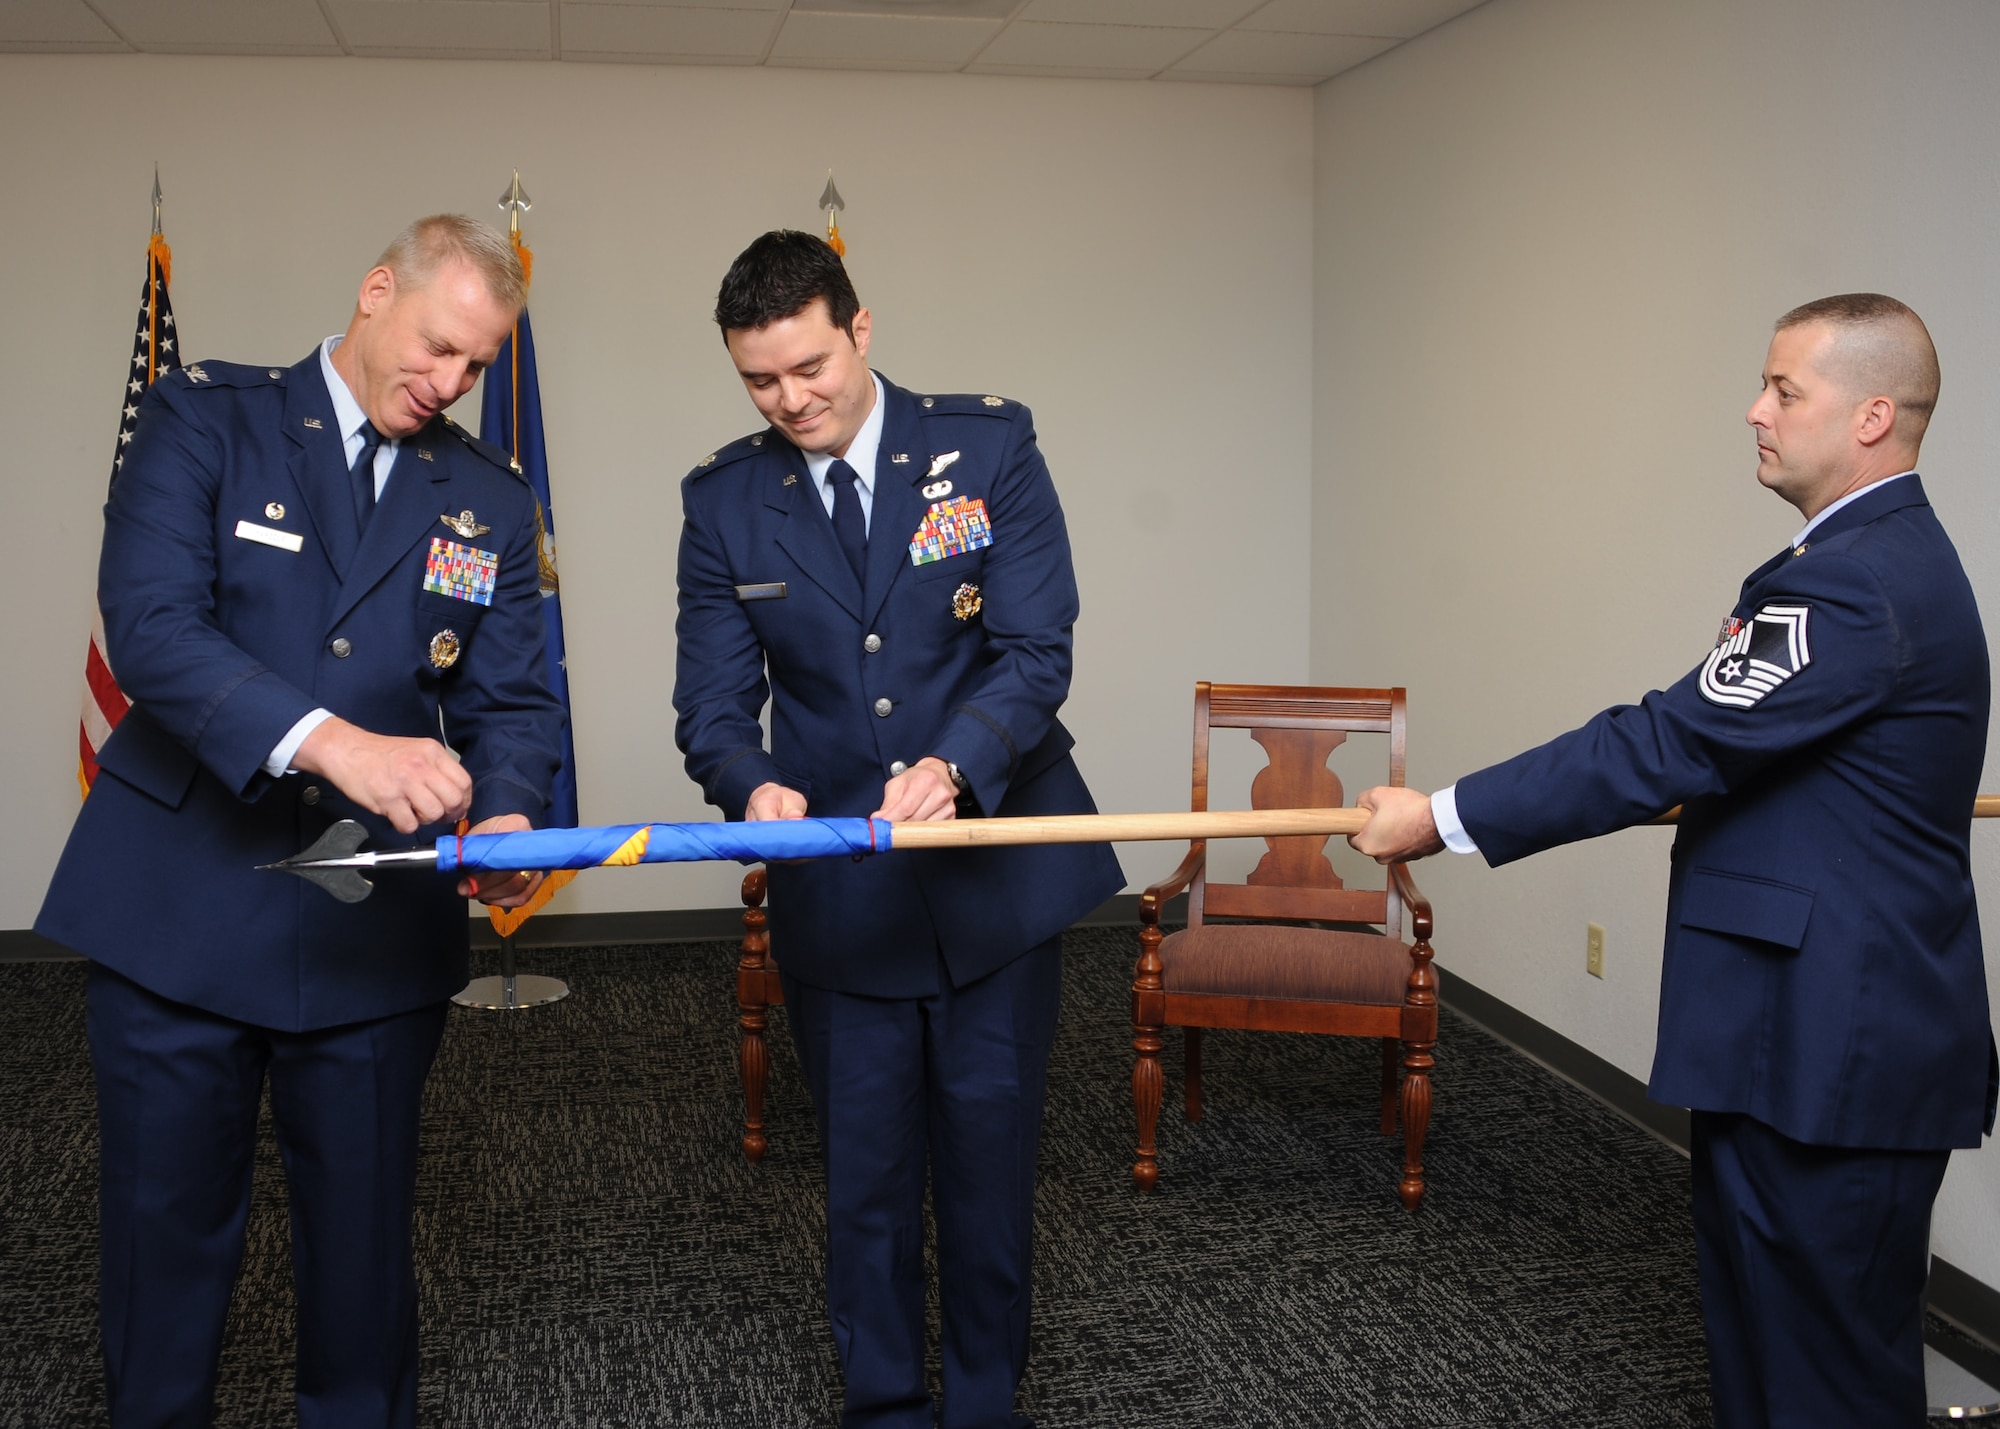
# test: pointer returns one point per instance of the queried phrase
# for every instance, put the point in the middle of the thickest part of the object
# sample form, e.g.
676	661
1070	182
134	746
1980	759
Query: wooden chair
1284	971
757	990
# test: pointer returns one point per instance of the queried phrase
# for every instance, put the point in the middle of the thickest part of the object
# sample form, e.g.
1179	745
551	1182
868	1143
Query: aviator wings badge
465	525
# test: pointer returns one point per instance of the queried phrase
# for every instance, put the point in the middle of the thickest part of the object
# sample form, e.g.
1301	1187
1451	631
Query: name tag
768	590
270	536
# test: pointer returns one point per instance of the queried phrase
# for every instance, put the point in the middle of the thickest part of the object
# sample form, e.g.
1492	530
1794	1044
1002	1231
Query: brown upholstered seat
1286	963
1274	967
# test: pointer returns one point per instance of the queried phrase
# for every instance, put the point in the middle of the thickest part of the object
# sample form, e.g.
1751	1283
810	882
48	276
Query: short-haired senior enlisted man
1823	1005
310	579
893	571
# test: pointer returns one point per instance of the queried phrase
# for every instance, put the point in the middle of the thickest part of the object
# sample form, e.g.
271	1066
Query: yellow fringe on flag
527	257
632	850
506	920
158	251
833	239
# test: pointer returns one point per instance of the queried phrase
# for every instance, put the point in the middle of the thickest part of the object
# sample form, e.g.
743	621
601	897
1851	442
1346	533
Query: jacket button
309	794
872	644
341	648
898	767
883	706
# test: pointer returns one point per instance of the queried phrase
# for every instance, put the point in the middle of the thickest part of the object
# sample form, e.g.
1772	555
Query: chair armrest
1421	922
1155	897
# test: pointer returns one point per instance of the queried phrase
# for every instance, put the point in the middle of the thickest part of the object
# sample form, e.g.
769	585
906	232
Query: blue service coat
223	642
865	677
1823	970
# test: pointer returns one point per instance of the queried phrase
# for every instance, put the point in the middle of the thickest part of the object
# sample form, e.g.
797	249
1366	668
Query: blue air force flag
1755	656
510	417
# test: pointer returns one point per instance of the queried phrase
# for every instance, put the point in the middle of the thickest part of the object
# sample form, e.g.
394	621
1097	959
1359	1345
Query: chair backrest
1299	727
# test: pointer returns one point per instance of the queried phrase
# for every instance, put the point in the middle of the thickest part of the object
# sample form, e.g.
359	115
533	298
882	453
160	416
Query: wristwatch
958	779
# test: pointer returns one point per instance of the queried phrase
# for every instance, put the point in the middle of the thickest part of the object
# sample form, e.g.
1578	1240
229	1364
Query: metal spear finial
156	198
514	203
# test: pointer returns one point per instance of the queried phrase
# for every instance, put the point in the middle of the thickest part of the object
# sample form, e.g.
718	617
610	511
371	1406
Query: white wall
1131	260
1551	239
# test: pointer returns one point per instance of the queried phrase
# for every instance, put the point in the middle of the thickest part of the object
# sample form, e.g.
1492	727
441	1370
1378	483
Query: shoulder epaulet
209	373
736	451
966	404
486	449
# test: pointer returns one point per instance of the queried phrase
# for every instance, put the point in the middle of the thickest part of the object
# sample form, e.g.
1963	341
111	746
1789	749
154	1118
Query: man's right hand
774	801
409	782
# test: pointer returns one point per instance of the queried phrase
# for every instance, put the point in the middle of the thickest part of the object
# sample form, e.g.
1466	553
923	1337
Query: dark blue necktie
362	474
848	527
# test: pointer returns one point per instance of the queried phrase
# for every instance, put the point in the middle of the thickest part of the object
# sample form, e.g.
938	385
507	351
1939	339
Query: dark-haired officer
893	572
1823	1005
309	574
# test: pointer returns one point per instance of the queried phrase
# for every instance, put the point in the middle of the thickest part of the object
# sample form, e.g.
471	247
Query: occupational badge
965	601
274	511
445	647
938	465
465	525
951	528
937	490
1760	655
462	572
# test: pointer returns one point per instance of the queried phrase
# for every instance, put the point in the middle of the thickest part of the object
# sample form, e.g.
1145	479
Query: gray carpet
594	1251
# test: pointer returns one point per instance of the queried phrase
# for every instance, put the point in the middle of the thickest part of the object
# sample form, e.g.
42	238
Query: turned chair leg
753	1058
1417	1064
1191	1078
1390	1048
1149	1005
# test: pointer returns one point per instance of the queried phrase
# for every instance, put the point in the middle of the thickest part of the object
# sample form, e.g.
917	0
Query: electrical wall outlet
1593	950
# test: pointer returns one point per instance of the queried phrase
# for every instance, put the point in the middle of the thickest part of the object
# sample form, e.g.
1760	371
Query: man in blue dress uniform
892	572
312	584
1823	1005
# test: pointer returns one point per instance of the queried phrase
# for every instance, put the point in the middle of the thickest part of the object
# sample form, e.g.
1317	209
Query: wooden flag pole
1133	828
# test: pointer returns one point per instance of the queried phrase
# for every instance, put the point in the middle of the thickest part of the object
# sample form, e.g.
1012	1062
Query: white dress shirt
347	414
860	455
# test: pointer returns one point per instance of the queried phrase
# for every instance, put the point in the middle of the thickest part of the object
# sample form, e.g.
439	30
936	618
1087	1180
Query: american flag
155	352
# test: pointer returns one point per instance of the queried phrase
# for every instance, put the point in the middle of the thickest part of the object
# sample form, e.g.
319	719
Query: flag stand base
508	990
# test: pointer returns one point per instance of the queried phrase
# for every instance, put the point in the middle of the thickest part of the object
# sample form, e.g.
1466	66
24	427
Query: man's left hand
923	792
497	889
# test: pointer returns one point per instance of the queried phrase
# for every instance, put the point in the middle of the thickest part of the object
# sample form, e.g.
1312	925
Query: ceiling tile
1401	18
54	25
1298	81
765	5
221	27
1239	52
654	31
1123	47
936	9
1201	14
812	38
457	28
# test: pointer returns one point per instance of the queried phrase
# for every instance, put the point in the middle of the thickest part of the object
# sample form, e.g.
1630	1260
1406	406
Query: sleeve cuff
280	762
1444	813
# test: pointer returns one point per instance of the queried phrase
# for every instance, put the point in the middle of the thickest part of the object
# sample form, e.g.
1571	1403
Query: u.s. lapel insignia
938	465
425	453
444	649
195	373
465	525
1800	549
965	601
314	423
274	511
791	479
898	458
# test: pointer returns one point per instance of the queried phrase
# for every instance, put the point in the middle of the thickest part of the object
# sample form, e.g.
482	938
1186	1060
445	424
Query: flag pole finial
156	199
515	202
833	204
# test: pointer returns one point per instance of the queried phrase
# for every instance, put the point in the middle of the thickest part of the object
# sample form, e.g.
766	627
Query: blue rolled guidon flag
510	417
623	845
